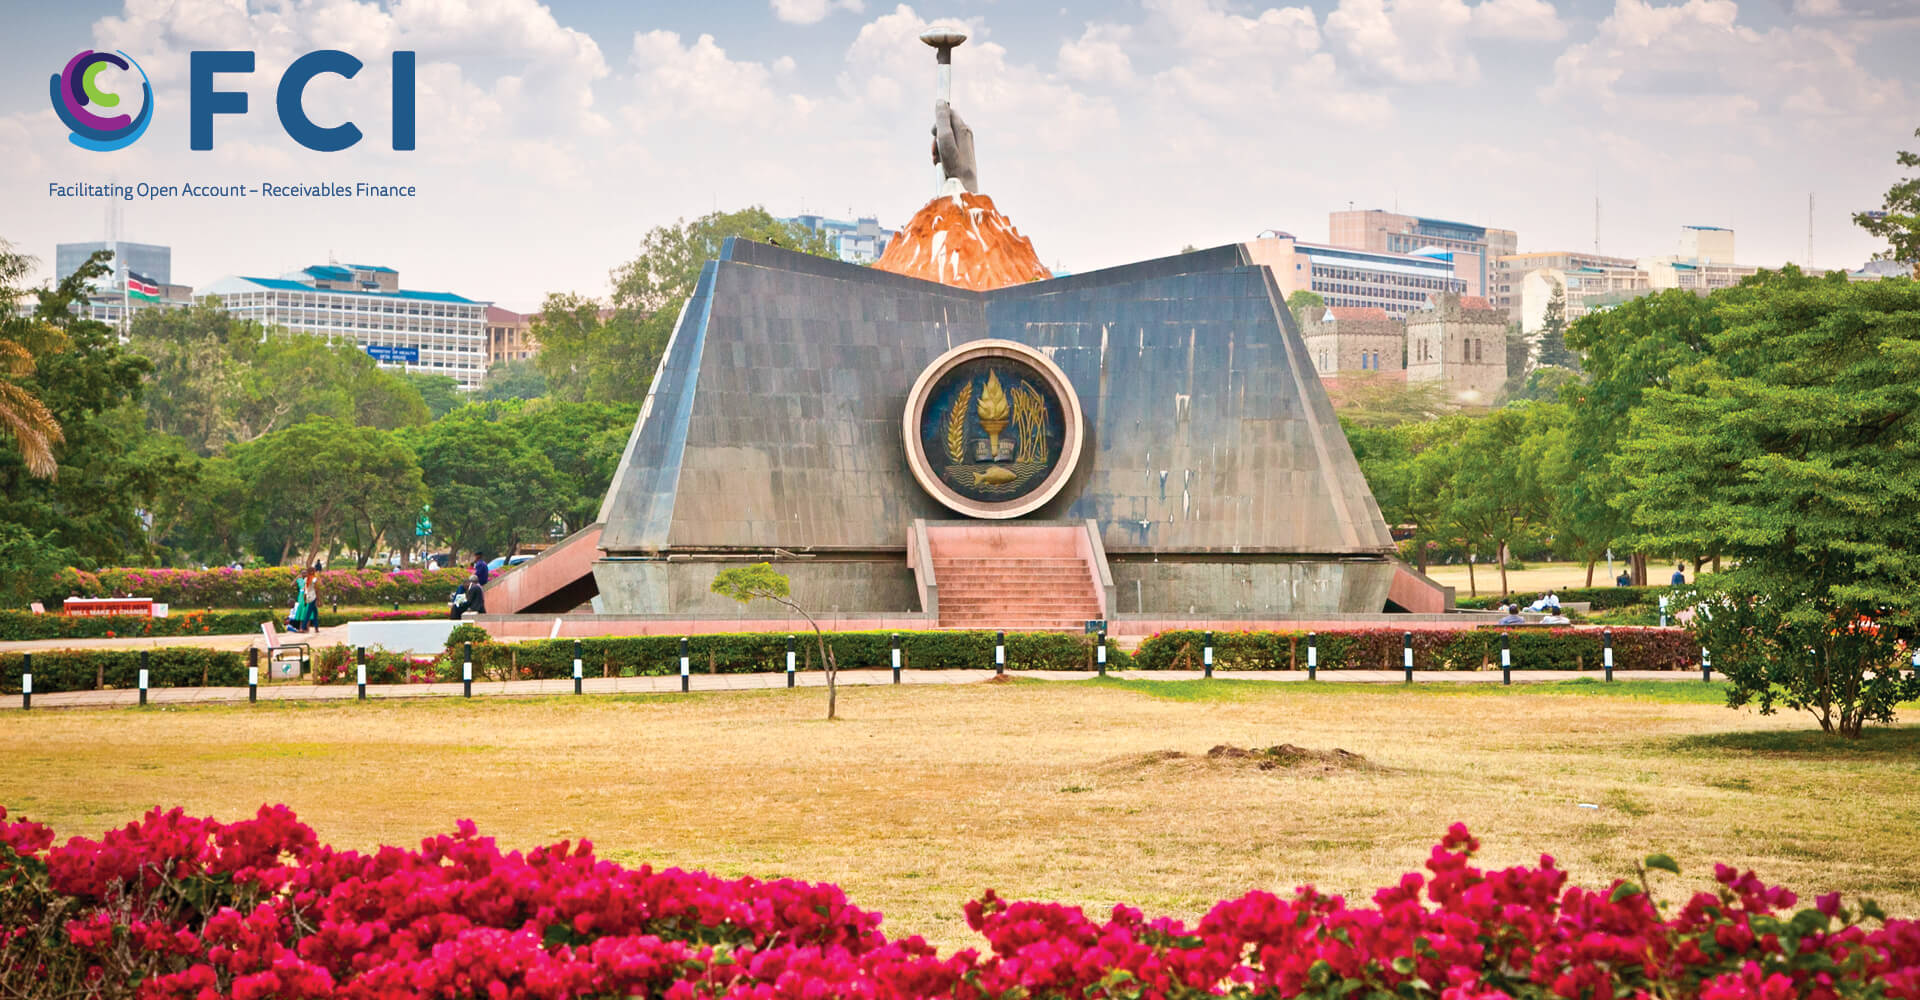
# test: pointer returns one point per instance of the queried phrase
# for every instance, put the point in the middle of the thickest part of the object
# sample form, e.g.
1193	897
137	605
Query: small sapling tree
761	581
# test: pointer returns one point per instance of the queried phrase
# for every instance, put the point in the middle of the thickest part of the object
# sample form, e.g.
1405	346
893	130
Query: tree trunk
1590	574
1503	570
1473	589
832	668
287	549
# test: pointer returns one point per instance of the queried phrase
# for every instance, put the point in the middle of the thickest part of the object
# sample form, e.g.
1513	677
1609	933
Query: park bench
297	656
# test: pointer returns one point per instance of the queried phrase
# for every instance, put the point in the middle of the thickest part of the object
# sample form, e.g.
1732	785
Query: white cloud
1426	41
812	11
1098	55
1694	61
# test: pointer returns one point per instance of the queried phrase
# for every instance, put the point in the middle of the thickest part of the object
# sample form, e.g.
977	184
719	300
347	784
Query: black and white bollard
1506	658
253	683
1406	654
1206	655
466	671
1100	654
895	643
360	672
1000	654
790	659
26	681
143	677
1606	651
686	666
1706	666
1313	656
579	673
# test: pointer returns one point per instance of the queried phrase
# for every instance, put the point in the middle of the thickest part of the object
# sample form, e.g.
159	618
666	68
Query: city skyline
552	137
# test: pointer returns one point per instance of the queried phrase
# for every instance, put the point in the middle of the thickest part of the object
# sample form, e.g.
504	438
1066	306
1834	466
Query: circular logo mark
992	429
77	97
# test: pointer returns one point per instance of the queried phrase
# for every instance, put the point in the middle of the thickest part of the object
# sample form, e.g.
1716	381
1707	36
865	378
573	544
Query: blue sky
554	135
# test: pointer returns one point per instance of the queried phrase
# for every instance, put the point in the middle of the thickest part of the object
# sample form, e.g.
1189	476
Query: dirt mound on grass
1284	757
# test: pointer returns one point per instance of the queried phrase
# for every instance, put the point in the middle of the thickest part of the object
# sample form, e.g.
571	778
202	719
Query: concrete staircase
1018	577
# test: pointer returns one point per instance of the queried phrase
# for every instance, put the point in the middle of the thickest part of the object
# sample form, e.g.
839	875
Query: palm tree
25	419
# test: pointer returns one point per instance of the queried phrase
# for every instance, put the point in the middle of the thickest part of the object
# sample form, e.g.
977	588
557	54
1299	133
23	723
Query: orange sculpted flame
963	241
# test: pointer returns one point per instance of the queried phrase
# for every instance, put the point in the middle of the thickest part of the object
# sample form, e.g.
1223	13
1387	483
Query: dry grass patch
923	796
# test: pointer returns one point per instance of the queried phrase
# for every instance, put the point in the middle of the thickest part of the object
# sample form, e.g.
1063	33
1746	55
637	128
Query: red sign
92	606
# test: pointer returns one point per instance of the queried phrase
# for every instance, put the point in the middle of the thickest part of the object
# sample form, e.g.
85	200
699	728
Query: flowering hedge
255	588
53	625
179	907
1534	648
1599	598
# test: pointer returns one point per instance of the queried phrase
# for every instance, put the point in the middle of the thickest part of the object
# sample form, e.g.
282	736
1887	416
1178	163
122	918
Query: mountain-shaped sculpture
1210	464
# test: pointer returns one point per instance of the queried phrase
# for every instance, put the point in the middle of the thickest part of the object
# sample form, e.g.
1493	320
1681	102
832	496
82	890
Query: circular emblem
992	429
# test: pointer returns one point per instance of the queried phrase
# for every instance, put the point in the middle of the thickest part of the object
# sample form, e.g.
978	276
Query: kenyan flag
141	287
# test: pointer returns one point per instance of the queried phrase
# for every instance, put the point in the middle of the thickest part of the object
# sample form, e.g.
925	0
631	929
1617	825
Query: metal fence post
1000	654
1100	653
1406	654
790	658
361	672
1706	665
686	673
26	681
466	672
894	642
1606	651
1206	655
143	676
579	671
1313	656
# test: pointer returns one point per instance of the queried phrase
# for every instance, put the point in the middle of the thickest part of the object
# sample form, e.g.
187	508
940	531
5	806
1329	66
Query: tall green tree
584	442
1899	221
1629	349
1302	300
489	489
1792	445
440	393
519	379
1495	494
93	510
1553	332
589	356
313	480
218	381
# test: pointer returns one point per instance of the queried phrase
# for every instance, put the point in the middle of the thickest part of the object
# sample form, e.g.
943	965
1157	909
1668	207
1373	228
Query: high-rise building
150	259
861	241
1582	290
1391	232
1396	283
438	333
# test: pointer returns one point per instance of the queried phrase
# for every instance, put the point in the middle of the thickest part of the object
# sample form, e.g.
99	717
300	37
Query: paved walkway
754	682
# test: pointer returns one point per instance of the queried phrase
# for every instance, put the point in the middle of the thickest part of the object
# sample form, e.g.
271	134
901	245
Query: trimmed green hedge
729	653
255	588
1600	598
26	625
1534	648
92	669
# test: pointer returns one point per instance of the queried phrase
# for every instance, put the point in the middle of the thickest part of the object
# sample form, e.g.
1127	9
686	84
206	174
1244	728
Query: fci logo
75	91
77	96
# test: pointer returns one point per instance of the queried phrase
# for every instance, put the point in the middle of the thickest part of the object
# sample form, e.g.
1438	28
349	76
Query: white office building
439	333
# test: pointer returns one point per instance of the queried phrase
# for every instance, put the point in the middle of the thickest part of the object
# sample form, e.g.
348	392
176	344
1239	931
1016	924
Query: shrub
256	588
1456	649
26	625
91	669
1601	598
177	906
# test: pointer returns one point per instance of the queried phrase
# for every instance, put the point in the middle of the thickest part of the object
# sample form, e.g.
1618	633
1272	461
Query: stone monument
957	438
